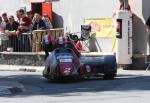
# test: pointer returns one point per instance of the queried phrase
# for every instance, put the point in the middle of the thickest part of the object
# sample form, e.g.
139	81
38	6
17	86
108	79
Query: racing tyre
109	76
53	78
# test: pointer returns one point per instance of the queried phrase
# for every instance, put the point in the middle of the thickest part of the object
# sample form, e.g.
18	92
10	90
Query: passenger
122	7
72	46
38	23
47	21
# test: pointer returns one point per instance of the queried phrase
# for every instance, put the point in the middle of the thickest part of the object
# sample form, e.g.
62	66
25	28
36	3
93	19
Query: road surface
31	87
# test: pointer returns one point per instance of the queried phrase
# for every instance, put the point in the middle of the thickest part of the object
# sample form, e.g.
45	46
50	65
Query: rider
49	46
62	42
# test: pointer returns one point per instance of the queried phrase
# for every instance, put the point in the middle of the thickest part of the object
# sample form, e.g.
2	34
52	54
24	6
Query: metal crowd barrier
27	42
37	37
15	43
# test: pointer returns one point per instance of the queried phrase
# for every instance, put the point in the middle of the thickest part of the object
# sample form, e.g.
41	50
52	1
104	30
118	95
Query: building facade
71	14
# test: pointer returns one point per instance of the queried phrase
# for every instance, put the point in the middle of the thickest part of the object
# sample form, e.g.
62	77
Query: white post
124	37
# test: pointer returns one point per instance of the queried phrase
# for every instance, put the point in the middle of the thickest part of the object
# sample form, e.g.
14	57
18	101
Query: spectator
24	27
47	21
2	25
122	6
12	26
11	29
17	15
38	23
5	18
30	15
24	22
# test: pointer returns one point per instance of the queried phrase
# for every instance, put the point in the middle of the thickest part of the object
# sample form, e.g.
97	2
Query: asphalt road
128	87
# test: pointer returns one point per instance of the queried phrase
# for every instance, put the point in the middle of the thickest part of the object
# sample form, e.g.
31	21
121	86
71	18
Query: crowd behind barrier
26	33
28	42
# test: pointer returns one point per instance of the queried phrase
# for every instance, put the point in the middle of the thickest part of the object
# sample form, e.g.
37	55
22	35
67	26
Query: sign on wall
104	27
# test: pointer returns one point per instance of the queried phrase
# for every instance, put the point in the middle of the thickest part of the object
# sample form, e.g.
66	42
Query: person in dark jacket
11	28
38	23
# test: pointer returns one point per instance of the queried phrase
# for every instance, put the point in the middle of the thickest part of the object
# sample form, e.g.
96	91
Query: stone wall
22	58
37	59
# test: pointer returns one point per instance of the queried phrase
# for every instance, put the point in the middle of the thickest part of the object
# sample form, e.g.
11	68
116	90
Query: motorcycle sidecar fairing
62	64
102	65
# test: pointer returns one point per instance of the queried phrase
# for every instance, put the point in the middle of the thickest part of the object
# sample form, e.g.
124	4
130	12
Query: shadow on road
36	85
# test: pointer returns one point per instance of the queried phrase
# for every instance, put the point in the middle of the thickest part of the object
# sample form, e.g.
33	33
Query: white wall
11	6
73	13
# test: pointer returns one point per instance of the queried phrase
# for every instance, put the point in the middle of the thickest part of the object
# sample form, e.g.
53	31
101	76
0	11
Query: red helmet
61	40
48	39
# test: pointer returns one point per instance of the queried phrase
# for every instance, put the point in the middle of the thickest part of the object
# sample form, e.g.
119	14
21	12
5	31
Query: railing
38	35
27	42
16	44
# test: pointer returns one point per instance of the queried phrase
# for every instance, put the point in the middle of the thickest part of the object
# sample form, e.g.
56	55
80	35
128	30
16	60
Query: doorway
42	8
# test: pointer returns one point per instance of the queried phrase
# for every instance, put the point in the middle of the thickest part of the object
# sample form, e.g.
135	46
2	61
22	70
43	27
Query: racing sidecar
63	64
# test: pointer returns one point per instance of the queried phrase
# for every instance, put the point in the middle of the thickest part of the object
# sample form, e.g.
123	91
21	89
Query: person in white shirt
2	25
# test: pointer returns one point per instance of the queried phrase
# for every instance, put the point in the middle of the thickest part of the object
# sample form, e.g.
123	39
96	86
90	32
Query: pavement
12	87
21	68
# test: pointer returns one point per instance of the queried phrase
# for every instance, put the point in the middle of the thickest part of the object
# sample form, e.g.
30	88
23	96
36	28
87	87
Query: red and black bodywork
63	64
102	65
